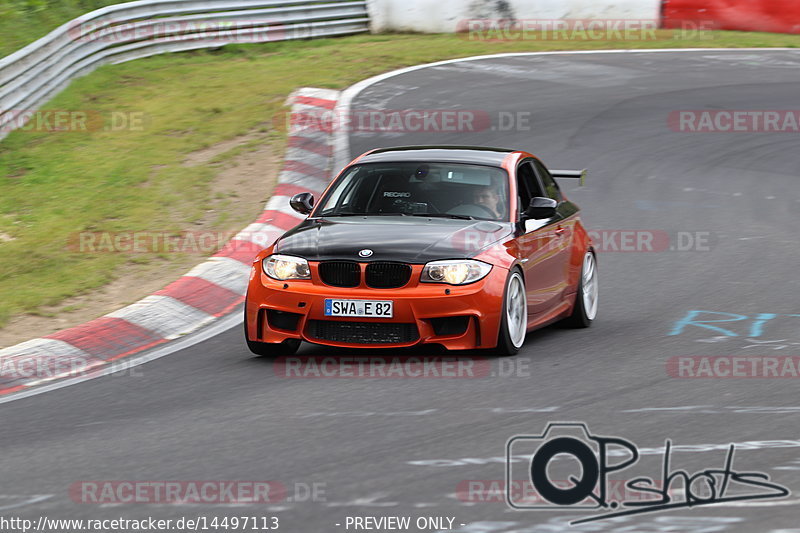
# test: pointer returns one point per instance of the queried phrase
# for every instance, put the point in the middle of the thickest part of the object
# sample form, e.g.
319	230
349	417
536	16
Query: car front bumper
456	317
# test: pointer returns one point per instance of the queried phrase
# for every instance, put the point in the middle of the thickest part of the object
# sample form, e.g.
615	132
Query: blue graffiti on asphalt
735	325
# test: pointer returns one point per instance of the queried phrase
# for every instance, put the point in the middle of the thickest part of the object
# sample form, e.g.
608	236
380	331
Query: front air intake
362	332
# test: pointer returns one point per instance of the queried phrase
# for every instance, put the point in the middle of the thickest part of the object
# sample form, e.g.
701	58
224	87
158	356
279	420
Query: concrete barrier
444	16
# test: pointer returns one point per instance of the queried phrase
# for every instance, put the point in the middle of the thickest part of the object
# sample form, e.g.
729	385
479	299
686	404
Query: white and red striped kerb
210	290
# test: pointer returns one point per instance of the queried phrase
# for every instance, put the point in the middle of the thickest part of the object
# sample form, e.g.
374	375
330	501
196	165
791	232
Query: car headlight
455	272
283	267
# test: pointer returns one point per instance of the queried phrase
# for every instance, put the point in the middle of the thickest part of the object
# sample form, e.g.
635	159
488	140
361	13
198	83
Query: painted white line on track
30	500
643	451
776	503
341	140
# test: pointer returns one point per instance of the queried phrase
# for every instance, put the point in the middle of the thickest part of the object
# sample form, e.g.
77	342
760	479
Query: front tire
270	349
514	323
585	309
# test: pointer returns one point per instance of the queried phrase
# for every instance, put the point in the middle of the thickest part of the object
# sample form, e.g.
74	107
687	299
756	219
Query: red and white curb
210	290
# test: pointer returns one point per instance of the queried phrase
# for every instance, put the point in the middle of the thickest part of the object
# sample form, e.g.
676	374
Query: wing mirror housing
303	203
541	208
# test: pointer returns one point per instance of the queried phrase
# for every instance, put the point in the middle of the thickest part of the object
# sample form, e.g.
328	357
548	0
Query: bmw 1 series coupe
463	247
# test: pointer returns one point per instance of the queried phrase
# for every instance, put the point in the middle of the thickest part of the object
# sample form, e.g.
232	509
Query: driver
486	196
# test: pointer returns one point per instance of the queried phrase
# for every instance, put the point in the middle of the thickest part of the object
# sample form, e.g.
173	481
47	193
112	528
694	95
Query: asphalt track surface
213	412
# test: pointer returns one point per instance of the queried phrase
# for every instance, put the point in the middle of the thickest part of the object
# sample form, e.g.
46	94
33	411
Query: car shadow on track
428	351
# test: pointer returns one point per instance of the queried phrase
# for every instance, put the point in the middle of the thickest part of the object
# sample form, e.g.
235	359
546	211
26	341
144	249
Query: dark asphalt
212	412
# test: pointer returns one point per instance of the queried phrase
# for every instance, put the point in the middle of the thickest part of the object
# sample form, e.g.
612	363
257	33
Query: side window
550	186
527	185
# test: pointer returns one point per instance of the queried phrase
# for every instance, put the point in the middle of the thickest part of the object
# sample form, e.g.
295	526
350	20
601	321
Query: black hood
405	239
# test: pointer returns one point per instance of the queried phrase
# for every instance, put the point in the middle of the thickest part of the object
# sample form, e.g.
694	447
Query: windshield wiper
430	215
443	215
365	215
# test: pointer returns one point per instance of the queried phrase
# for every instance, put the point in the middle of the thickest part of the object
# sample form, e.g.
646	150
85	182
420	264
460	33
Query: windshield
451	190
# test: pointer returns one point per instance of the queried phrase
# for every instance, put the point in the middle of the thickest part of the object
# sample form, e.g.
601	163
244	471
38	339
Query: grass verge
24	21
54	185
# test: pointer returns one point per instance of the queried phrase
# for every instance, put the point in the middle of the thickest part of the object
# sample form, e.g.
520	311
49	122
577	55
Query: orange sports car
468	248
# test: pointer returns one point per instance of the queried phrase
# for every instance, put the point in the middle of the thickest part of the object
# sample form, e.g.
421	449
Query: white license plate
359	308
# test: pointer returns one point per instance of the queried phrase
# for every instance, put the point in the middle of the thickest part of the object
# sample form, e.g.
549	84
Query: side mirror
541	208
303	203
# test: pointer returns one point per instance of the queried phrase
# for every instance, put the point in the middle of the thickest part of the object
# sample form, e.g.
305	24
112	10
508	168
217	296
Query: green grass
24	21
53	185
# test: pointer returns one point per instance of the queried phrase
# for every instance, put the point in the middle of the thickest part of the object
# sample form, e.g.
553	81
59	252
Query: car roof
446	154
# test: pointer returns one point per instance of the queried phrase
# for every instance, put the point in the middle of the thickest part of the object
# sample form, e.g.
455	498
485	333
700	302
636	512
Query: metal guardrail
123	32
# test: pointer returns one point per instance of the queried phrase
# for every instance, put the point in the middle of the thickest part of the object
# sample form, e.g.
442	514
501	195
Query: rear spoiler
580	174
